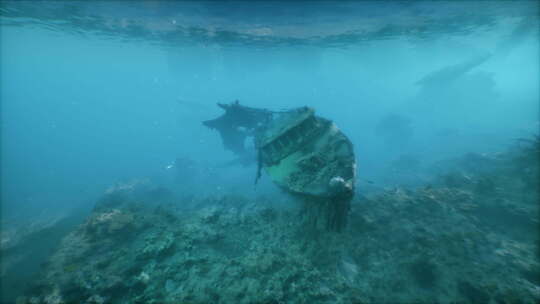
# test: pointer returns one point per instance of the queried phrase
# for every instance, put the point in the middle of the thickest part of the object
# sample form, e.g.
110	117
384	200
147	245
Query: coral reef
470	241
26	245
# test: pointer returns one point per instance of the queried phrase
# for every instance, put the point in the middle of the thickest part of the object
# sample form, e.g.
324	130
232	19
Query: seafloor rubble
470	237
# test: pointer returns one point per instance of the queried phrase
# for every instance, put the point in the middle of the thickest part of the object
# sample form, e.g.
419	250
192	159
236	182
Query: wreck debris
304	154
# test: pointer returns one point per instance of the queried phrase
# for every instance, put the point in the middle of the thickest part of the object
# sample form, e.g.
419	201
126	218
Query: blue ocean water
103	95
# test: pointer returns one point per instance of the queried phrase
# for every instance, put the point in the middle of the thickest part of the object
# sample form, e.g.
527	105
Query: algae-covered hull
308	155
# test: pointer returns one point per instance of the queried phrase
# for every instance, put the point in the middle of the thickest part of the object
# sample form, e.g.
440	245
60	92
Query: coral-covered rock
109	223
